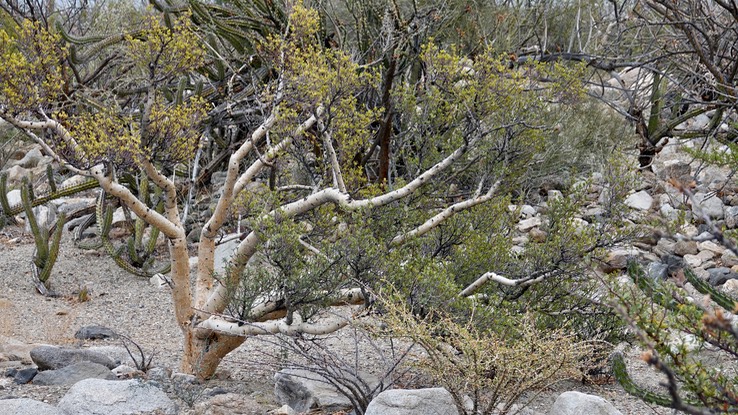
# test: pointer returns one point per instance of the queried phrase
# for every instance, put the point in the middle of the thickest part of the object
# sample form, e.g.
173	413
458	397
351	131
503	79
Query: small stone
554	194
115	397
14	197
23	376
159	374
618	259
664	247
731	216
693	261
528	211
229	404
712	247
706	255
25	406
16	174
537	235
527	224
184	378
683	248
639	200
284	410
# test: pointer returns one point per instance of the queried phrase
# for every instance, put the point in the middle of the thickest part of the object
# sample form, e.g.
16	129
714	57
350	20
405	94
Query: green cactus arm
151	243
133	255
620	372
651	288
721	299
75	39
62	192
4	204
41	243
50	178
53	250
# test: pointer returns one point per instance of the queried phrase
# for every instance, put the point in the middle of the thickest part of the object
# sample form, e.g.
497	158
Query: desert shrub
485	367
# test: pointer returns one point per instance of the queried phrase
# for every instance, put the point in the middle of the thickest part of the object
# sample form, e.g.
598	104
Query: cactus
47	242
135	256
663	307
5	216
11	211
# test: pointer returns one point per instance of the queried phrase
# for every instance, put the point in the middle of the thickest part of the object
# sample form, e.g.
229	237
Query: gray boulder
718	276
110	397
94	333
52	357
319	390
229	404
73	373
293	393
25	406
577	403
433	401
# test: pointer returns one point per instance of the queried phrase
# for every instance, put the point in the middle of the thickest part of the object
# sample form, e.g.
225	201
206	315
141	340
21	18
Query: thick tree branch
450	211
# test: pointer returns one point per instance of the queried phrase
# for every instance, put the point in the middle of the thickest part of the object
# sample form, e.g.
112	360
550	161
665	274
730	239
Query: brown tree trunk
203	355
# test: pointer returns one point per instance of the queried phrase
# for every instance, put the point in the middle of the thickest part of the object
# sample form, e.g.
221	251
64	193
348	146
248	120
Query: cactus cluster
136	255
47	238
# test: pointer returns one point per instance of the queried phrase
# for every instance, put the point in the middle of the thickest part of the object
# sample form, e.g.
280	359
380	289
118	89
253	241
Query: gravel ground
134	307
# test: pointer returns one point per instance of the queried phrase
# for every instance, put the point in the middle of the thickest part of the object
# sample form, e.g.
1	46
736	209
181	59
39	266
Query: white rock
712	247
119	217
16	175
706	255
730	287
14	197
693	261
74	180
554	194
527	224
729	259
639	200
709	205
577	403
413	402
115	397
528	211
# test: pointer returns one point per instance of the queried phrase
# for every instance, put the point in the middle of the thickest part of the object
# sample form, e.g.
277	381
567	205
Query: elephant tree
466	132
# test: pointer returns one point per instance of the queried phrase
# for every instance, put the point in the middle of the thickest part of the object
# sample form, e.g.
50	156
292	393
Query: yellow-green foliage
313	77
175	128
31	74
495	368
161	52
